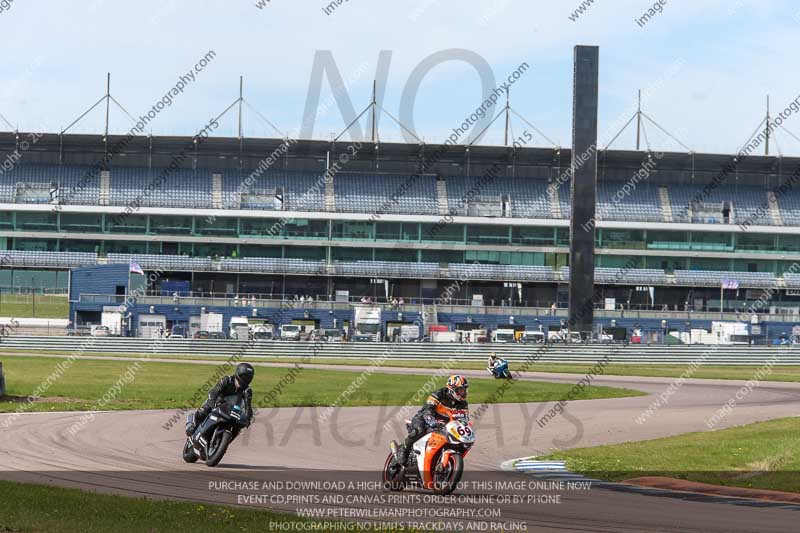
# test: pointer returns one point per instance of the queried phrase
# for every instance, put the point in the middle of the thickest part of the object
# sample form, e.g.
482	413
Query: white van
290	332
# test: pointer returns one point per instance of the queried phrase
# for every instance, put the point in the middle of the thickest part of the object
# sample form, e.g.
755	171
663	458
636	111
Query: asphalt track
132	453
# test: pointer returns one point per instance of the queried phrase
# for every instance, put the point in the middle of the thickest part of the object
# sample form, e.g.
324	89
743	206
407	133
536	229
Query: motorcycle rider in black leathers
436	410
238	383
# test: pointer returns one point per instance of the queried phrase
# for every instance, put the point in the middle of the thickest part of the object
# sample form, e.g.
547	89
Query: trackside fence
555	353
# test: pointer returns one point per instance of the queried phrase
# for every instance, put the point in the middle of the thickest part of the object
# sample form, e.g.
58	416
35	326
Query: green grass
35	508
21	306
170	385
765	455
779	373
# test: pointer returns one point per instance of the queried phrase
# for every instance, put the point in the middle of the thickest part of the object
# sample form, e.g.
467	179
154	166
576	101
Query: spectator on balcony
401	303
553	309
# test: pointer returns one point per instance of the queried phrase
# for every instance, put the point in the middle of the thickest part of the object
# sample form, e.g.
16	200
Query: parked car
317	335
333	335
101	331
216	335
201	335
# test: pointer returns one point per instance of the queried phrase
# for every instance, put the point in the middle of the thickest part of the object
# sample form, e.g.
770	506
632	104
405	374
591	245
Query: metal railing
551	353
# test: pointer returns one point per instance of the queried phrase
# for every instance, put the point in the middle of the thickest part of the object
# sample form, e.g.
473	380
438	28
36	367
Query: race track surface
133	453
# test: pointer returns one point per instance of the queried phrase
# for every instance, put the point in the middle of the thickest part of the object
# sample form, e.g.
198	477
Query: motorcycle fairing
434	443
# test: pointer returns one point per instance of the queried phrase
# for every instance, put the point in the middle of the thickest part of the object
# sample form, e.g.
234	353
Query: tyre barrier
550	353
2	382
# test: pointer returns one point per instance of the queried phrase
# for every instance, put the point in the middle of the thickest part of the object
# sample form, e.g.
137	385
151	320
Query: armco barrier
560	353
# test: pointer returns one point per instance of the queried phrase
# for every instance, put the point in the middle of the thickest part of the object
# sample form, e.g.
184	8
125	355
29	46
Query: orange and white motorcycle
436	461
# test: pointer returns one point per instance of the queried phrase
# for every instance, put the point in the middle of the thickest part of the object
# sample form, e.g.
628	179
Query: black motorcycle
212	437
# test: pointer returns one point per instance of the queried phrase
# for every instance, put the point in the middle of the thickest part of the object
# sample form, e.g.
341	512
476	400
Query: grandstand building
278	218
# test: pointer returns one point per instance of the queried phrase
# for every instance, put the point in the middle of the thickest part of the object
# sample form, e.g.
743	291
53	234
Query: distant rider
438	407
493	362
238	383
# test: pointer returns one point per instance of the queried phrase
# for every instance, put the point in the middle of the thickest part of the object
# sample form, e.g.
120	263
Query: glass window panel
82	222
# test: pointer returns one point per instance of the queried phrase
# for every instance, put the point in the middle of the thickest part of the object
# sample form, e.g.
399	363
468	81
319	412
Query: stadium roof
231	153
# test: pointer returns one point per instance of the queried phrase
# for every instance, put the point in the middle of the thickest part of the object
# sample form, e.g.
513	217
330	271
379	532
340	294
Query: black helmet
244	373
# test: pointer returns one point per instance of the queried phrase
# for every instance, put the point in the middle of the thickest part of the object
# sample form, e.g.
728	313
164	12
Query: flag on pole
730	284
136	269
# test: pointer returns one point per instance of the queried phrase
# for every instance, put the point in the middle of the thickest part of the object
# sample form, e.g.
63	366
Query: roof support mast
507	110
374	106
108	102
638	119
766	130
241	99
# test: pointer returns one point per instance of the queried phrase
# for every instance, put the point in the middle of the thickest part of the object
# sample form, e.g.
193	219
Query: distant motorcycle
212	437
437	459
500	370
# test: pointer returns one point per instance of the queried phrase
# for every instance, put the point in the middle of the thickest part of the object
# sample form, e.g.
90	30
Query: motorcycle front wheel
446	477
217	448
188	452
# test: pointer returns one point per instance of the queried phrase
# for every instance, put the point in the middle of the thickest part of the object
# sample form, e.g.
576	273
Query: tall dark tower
584	188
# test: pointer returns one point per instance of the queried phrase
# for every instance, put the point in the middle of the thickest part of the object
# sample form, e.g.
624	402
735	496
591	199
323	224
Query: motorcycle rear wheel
392	482
188	452
451	476
217	448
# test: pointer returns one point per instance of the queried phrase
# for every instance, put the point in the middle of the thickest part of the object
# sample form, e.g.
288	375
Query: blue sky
720	59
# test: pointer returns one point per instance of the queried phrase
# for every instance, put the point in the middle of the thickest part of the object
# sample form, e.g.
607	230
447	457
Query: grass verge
764	455
34	508
157	385
790	373
23	307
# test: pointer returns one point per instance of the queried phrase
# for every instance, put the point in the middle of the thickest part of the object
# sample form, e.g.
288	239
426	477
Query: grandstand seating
77	184
528	196
742	200
641	203
505	272
302	191
273	265
791	280
387	268
713	278
625	276
358	193
17	258
163	262
179	188
789	205
383	193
